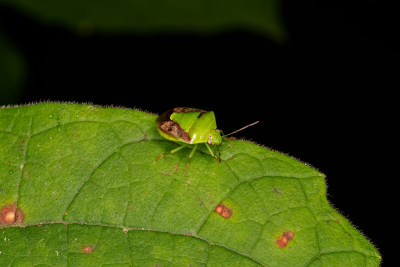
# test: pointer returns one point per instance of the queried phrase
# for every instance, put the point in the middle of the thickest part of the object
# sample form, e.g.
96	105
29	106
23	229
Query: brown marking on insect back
187	110
170	127
163	117
10	215
223	211
283	240
87	249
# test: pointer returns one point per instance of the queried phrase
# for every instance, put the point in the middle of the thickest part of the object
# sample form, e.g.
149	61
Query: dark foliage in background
322	97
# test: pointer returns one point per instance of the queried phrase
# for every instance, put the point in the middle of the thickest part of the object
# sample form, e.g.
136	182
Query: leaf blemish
87	249
10	215
176	168
285	239
277	191
223	211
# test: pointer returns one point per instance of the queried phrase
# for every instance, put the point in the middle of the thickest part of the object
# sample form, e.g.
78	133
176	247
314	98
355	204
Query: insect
190	127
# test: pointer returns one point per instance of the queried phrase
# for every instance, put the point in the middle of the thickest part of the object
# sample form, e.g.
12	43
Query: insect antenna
241	129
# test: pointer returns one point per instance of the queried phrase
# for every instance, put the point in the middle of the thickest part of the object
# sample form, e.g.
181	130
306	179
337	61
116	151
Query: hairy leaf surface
80	185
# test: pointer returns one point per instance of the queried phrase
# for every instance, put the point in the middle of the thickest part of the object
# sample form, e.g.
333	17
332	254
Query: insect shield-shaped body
191	127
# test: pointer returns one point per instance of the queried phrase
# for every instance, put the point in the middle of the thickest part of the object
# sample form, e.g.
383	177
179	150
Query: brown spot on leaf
277	191
19	216
189	181
223	211
87	249
187	166
285	239
10	215
176	168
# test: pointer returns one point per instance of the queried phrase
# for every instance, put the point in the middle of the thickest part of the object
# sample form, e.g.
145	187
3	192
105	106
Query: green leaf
80	185
146	16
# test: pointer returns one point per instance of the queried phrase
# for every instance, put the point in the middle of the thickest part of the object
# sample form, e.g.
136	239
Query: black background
324	97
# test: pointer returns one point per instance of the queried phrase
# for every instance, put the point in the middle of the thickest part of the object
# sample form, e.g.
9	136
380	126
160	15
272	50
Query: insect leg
172	151
209	150
190	156
177	149
193	150
212	153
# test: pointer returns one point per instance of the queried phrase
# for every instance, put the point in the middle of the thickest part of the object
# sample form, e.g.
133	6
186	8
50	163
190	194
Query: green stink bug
191	126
